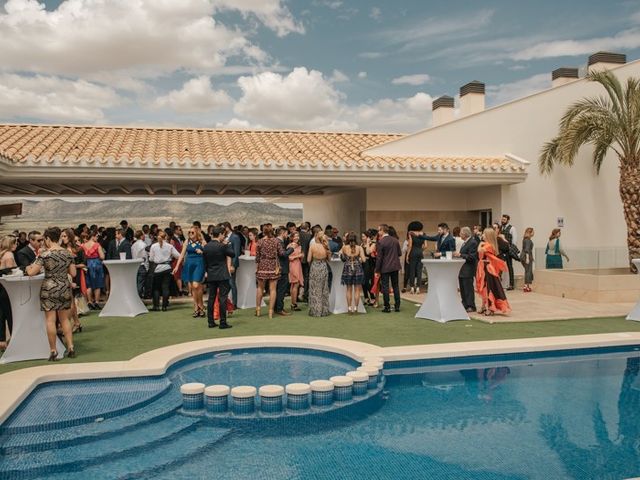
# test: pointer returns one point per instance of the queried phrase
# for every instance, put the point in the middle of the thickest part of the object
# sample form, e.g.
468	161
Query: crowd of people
291	260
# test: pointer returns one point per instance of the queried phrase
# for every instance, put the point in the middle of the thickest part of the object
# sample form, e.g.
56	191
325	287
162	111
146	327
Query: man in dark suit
127	231
388	266
469	253
119	245
233	238
215	256
27	255
305	238
444	240
283	282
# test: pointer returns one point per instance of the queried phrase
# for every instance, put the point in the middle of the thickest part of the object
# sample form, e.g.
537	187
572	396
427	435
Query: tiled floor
527	307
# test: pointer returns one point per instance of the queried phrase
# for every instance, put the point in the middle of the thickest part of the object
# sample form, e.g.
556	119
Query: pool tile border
16	385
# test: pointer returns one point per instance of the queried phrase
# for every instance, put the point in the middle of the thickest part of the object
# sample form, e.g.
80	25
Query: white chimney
471	98
563	75
442	109
606	61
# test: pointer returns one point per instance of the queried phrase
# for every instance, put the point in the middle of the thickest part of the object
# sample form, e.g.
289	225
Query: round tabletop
22	278
443	260
122	262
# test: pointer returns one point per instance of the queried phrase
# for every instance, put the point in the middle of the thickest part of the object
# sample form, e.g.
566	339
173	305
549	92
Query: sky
330	65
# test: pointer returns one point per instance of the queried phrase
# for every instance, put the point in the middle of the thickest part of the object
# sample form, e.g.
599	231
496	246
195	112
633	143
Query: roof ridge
198	129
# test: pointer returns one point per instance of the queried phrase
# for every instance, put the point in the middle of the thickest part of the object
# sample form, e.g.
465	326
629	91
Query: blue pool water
570	417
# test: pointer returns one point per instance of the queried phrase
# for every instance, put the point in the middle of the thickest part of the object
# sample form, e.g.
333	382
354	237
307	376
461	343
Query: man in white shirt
161	254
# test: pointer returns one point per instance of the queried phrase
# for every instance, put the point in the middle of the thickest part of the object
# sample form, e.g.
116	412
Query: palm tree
608	122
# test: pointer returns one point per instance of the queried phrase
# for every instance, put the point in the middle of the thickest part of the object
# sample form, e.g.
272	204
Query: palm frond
549	156
613	87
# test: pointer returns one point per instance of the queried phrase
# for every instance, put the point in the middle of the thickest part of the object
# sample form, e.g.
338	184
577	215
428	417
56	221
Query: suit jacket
25	257
215	256
444	243
236	244
113	251
469	252
389	252
305	239
284	261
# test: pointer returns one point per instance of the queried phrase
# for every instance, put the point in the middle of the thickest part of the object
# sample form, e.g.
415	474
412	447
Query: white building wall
340	210
590	204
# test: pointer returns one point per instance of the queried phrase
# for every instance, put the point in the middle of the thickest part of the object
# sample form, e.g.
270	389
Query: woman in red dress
488	284
268	255
252	246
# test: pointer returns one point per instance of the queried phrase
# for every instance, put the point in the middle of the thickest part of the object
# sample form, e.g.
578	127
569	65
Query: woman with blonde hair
353	272
318	258
554	251
8	246
488	284
526	257
193	270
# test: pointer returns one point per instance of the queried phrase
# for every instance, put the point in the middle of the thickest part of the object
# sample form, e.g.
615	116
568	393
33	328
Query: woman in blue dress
193	270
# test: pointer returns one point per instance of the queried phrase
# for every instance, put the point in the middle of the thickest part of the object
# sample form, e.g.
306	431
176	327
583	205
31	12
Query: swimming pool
569	414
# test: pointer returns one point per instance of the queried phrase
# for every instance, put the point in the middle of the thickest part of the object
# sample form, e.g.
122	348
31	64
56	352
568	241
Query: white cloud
237	124
505	92
195	96
401	115
416	79
375	13
272	13
332	4
48	98
142	38
362	74
303	99
625	40
371	55
338	77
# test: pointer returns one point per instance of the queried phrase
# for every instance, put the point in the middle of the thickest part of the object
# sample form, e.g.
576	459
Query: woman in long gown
488	284
318	258
296	279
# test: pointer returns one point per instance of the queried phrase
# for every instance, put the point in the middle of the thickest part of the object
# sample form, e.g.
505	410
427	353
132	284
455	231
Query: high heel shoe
270	314
258	311
196	313
77	328
53	356
201	313
295	307
71	353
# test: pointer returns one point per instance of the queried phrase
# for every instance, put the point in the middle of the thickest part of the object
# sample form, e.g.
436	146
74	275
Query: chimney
442	109
606	61
471	98
563	75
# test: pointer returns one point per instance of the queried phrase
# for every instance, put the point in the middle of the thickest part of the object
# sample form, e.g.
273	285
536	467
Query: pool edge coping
18	384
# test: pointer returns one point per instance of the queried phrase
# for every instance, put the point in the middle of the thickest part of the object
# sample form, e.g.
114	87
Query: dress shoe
164	309
471	310
396	308
213	325
155	309
284	313
225	325
386	310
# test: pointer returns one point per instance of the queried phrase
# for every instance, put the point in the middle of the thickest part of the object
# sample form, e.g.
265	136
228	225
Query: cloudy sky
358	65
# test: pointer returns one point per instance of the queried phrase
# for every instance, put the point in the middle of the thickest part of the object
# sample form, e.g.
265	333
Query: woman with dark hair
353	273
252	245
318	258
490	267
55	294
415	254
554	251
161	254
268	253
68	241
94	255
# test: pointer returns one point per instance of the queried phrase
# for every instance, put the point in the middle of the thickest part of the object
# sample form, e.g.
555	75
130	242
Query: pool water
553	418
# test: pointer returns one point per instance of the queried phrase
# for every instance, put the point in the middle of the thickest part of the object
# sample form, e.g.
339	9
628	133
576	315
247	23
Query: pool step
25	465
64	437
151	461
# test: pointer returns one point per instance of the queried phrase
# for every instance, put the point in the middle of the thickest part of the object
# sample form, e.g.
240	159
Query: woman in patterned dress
296	278
318	258
55	294
268	252
352	273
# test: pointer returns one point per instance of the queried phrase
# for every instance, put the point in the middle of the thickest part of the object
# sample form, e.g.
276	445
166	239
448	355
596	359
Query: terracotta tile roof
42	145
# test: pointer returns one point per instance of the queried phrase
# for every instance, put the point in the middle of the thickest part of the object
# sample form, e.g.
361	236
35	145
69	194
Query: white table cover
246	282
443	302
123	300
635	313
29	336
338	295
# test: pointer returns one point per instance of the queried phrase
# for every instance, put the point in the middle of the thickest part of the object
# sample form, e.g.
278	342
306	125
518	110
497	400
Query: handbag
514	252
82	306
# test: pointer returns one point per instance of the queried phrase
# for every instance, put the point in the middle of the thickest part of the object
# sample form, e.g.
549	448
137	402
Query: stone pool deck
527	307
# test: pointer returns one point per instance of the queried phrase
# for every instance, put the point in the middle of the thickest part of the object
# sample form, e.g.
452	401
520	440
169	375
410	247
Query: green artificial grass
111	338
